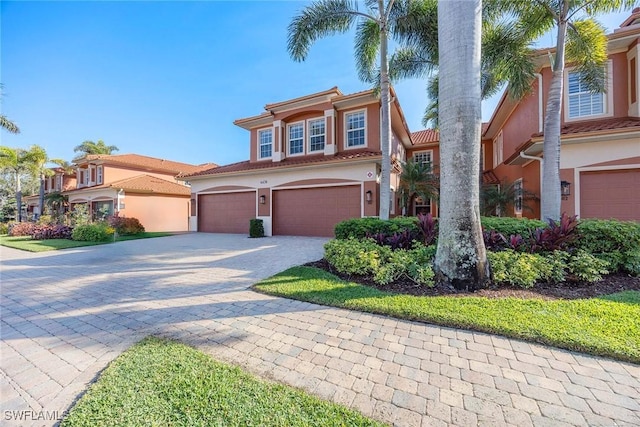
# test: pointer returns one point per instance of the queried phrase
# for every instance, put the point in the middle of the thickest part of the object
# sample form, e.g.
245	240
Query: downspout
540	104
541	160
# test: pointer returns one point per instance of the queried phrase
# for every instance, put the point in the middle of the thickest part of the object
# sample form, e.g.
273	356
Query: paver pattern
67	314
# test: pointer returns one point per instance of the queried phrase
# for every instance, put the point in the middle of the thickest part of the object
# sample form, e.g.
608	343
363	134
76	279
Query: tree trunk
461	259
19	196
385	122
41	196
550	192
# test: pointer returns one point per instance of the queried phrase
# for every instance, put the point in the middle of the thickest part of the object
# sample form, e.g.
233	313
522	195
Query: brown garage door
610	194
226	213
314	211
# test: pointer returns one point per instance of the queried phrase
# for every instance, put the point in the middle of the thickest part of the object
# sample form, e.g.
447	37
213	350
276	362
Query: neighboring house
59	181
135	186
600	136
314	161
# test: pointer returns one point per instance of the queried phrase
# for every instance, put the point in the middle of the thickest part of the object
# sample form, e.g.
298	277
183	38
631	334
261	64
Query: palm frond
587	47
367	45
8	125
320	19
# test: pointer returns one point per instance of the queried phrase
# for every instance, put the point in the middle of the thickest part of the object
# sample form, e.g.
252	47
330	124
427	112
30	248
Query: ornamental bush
51	231
616	242
125	226
355	256
21	228
511	226
359	228
256	228
587	267
96	232
515	268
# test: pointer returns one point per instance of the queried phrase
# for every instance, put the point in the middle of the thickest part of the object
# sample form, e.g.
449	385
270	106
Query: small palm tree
57	202
497	199
417	181
20	162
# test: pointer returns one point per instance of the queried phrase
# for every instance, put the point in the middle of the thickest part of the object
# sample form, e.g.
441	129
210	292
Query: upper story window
498	150
265	143
355	126
99	172
424	157
59	178
316	135
582	102
296	139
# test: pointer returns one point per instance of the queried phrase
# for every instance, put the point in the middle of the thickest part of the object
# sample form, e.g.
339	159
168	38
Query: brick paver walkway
66	315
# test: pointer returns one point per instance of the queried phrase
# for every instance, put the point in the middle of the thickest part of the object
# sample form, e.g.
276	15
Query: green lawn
607	326
26	243
164	383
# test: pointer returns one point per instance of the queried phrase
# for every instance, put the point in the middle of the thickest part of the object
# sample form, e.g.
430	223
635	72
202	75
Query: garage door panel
226	213
610	194
314	211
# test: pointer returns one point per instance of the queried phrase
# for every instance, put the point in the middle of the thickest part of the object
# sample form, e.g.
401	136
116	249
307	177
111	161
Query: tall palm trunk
550	204
19	196
461	258
385	122
41	195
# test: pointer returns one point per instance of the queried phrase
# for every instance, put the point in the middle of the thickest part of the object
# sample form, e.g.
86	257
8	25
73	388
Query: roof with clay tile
288	162
145	162
142	184
614	123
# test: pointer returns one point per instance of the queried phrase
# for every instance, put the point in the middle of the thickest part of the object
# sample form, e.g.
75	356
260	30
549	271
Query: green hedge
617	242
508	226
96	232
358	228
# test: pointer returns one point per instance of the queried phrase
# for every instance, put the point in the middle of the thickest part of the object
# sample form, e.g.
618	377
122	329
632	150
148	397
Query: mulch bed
566	290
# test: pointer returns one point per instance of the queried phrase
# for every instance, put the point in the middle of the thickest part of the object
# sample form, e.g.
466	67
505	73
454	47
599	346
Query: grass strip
164	383
606	326
26	243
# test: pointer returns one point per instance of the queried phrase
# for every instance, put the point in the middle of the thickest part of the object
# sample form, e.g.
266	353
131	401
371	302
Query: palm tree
8	125
461	258
90	147
497	199
374	26
57	203
19	162
417	180
579	40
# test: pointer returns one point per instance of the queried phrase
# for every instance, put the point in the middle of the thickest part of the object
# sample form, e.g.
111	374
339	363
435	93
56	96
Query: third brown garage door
610	194
314	211
226	213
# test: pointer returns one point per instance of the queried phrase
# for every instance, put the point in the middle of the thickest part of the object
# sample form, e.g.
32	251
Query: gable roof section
319	159
142	184
425	136
145	162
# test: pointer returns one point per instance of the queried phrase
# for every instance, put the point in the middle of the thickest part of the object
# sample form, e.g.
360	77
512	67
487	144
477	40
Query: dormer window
316	135
265	140
296	139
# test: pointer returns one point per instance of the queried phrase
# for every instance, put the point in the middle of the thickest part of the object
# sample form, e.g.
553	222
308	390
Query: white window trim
634	108
317	119
99	175
413	156
289	126
607	98
515	205
417	205
346	130
259	145
498	150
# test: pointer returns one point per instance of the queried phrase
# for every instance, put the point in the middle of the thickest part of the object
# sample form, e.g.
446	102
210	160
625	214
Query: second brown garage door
314	211
610	194
226	213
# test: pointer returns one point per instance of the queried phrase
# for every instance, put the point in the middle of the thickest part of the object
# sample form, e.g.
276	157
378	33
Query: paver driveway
67	314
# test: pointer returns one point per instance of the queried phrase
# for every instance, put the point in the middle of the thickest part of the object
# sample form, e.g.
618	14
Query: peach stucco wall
158	213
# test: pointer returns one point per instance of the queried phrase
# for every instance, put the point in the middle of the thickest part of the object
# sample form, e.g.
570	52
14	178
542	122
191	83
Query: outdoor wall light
263	199
368	196
565	189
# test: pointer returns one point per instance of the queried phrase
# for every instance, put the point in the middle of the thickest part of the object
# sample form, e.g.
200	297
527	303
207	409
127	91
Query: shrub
515	268
398	240
97	232
45	219
4	228
359	228
587	267
80	215
612	241
512	226
256	229
559	235
125	226
428	227
21	228
355	256
51	231
632	262
553	267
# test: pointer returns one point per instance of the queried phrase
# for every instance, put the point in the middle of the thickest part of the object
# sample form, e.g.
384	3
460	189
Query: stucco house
57	181
600	135
135	186
313	162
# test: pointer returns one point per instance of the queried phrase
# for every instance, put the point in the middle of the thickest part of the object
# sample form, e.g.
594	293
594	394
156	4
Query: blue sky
166	79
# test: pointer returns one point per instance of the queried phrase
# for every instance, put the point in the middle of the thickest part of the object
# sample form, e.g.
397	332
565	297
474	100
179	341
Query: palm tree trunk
461	258
385	125
551	198
41	195
19	196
